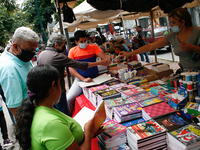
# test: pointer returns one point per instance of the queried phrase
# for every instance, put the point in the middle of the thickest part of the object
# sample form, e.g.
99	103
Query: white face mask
83	45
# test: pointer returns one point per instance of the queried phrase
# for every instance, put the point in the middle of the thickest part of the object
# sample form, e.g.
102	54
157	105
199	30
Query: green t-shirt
53	130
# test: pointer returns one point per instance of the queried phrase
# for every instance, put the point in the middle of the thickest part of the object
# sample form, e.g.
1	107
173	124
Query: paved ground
162	56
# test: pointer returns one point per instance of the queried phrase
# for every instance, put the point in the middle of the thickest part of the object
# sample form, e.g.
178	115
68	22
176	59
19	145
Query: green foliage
9	4
6	22
46	9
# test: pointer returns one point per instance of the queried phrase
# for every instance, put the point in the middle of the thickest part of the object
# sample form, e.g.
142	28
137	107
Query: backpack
68	14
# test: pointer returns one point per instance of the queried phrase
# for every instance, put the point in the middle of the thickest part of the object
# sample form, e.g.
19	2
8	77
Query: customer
3	126
141	42
53	55
183	38
15	65
39	125
83	52
124	46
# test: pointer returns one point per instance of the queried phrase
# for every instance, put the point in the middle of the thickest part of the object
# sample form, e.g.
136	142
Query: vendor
183	38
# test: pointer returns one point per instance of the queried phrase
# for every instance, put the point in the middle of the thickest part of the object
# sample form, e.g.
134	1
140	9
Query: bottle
134	72
126	75
130	73
121	74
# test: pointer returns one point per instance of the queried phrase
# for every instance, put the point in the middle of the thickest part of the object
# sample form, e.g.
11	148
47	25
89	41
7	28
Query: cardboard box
159	74
192	108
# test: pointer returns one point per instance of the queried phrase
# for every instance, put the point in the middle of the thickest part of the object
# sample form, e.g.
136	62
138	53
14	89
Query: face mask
116	51
25	55
175	29
82	45
63	49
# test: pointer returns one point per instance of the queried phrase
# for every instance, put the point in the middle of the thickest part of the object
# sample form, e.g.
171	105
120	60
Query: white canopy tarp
85	12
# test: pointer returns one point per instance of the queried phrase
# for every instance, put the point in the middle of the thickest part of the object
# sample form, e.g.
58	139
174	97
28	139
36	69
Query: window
147	34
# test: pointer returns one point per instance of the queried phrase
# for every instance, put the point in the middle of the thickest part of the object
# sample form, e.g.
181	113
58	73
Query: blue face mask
83	45
175	29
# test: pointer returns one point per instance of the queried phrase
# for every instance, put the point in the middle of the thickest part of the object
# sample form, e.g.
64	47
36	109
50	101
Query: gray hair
56	38
26	34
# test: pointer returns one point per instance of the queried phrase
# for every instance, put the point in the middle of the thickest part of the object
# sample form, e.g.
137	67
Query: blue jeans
146	55
74	91
62	104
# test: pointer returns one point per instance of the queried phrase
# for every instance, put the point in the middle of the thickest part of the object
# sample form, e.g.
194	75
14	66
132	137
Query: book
120	147
127	112
110	103
151	101
92	93
114	129
112	82
117	85
156	89
125	87
132	122
173	121
96	81
133	91
85	114
107	95
145	133
113	135
156	110
186	137
143	96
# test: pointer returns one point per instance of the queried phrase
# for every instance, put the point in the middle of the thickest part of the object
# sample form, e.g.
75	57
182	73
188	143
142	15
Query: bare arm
86	145
149	47
90	64
103	56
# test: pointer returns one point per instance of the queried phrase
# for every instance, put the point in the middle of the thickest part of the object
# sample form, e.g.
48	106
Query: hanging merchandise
110	28
68	14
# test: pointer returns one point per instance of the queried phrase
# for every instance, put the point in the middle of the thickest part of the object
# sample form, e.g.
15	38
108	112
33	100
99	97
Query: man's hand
88	80
105	62
186	47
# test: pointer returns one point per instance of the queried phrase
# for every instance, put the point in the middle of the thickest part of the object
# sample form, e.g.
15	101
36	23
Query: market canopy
88	17
137	5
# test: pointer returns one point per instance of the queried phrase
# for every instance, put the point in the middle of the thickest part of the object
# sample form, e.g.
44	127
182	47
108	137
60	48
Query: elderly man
53	55
83	52
15	65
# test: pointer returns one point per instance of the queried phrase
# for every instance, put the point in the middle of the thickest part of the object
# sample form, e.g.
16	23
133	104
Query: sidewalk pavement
173	65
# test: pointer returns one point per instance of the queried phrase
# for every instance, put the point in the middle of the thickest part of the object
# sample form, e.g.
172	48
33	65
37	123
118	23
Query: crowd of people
36	96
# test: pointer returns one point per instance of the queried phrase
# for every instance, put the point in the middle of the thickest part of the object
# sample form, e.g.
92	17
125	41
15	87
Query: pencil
115	58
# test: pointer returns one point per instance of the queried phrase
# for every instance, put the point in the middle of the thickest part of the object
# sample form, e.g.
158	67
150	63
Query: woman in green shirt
39	125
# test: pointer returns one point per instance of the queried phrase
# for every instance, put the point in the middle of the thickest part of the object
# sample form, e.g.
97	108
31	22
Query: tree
46	9
6	22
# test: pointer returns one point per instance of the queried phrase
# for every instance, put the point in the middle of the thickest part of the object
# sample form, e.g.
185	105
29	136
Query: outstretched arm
149	47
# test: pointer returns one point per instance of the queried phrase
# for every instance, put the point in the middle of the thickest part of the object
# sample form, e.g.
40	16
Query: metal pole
60	21
69	47
40	20
170	46
151	14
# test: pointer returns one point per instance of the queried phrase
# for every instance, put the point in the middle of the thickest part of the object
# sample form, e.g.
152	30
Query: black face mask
25	55
63	49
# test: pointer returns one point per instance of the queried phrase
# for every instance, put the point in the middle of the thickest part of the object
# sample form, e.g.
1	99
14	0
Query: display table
80	102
